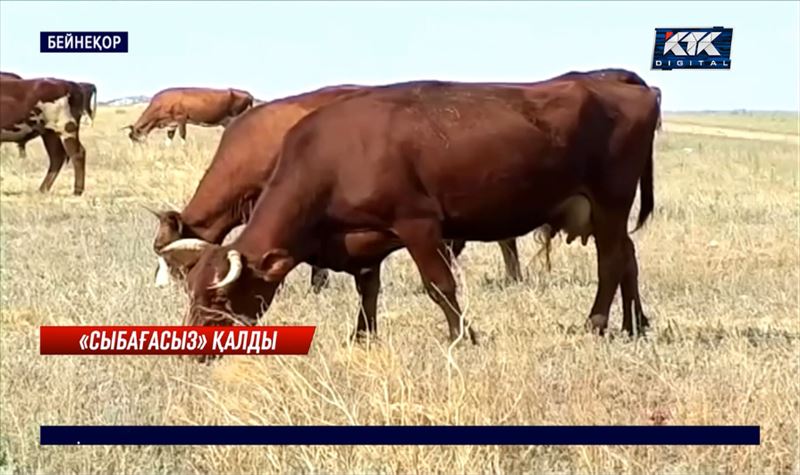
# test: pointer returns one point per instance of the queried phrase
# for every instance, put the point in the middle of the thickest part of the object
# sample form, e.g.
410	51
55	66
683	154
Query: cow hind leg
57	156
609	234
368	284
170	136
631	301
423	240
508	247
319	279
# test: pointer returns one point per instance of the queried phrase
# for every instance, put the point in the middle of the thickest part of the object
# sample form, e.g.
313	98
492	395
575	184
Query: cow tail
94	102
658	100
646	200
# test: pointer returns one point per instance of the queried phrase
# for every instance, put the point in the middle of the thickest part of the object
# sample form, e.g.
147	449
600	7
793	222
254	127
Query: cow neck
283	216
214	210
209	226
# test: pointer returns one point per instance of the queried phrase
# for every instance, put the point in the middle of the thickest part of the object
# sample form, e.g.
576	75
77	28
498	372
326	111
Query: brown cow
51	108
255	159
411	164
244	159
175	107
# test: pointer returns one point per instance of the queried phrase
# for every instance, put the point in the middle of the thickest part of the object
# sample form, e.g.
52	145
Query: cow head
224	287
135	134
170	229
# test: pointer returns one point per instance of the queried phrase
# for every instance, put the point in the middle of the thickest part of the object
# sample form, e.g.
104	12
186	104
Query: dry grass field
719	273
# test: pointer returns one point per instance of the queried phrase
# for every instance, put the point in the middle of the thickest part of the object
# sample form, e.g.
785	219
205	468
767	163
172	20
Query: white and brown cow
174	108
50	108
88	112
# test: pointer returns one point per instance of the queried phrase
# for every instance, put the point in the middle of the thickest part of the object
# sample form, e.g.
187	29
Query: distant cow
89	107
175	107
412	164
51	108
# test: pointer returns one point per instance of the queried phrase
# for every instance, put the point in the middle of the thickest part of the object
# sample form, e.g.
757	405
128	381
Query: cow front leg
56	154
368	285
508	247
182	132
423	240
455	246
77	154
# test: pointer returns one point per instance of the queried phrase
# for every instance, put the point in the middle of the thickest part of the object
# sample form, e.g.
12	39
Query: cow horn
235	270
154	212
127	127
186	244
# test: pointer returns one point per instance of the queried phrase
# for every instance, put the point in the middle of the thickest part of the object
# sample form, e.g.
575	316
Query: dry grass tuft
719	274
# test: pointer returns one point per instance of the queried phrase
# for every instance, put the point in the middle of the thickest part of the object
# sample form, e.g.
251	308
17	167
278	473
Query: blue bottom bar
400	435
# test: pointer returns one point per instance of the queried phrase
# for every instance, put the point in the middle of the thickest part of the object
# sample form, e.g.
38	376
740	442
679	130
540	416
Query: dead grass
719	270
775	122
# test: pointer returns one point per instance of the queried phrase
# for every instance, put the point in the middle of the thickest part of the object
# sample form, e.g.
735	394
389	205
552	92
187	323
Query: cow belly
16	132
346	252
506	210
571	215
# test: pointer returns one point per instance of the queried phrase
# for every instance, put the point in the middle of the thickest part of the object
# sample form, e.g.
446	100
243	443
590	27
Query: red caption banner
174	340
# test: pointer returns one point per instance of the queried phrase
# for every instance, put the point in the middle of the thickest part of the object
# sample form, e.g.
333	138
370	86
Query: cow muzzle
162	273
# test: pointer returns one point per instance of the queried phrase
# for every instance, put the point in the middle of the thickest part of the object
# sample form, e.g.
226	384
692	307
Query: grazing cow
254	159
244	159
51	108
175	107
89	108
412	164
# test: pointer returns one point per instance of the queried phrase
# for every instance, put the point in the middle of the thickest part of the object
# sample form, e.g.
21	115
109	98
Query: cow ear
173	220
275	264
170	220
183	254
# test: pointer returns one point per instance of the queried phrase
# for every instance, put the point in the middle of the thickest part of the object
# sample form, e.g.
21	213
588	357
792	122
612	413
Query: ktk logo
696	42
692	48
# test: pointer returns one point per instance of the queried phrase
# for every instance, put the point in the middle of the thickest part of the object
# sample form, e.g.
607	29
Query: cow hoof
597	324
469	334
362	337
642	324
473	336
